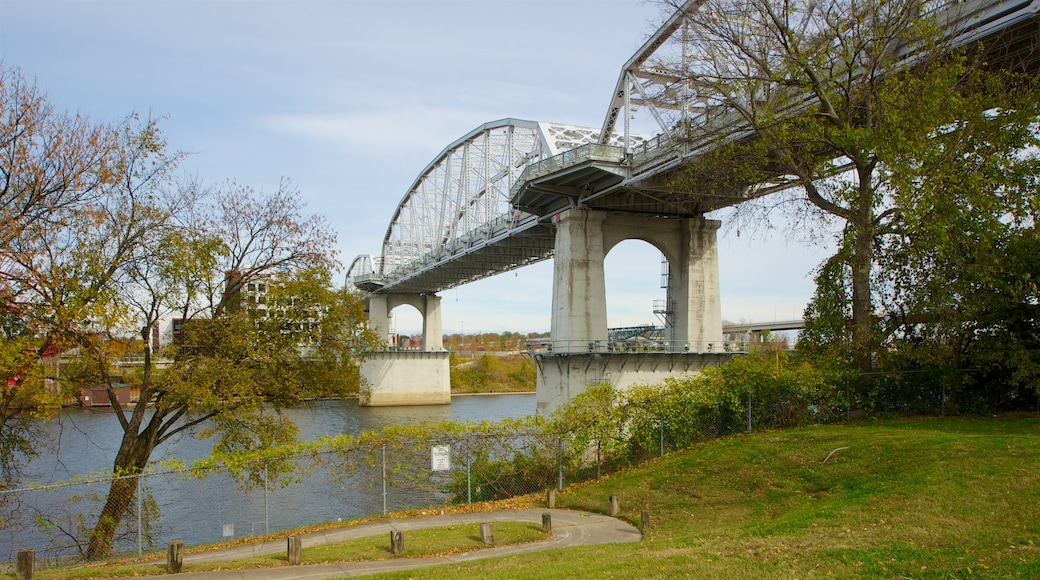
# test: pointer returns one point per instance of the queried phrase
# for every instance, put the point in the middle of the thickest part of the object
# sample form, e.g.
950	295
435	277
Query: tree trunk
120	495
862	303
130	460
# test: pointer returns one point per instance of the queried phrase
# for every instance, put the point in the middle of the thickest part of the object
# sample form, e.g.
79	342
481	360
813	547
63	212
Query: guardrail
569	158
606	346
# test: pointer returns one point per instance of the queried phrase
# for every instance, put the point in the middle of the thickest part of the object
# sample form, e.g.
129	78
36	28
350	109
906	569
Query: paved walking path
570	528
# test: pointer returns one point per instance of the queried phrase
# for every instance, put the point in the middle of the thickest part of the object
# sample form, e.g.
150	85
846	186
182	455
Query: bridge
513	192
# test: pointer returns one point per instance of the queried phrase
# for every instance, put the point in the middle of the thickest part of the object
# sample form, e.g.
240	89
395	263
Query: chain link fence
230	501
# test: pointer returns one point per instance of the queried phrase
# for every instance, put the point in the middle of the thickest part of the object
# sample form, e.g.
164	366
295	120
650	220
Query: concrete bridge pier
581	354
400	377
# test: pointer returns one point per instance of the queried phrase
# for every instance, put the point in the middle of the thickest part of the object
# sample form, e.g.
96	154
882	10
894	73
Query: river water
215	508
85	440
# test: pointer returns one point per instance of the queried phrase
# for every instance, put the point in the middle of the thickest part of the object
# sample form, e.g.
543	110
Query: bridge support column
429	306
397	377
581	355
379	316
693	285
579	307
405	378
433	336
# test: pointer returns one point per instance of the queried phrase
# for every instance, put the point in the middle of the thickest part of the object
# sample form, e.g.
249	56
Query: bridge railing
499	226
569	158
606	346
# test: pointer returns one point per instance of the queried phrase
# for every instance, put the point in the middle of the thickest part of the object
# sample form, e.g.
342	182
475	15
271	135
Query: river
214	508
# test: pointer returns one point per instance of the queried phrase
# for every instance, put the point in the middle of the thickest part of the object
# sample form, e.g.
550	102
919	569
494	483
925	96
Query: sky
351	99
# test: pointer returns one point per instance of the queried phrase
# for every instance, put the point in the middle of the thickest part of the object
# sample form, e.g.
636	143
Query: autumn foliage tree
248	275
55	170
101	243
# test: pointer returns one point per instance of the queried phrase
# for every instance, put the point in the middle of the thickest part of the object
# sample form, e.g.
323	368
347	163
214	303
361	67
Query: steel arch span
461	200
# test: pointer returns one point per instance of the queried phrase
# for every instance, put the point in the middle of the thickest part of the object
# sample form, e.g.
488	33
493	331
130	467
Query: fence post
294	550
559	463
139	517
25	564
384	479
749	412
469	483
267	513
662	436
175	557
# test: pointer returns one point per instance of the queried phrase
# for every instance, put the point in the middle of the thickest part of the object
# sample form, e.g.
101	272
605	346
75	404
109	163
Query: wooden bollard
550	498
294	549
397	543
547	522
487	535
175	557
615	506
646	520
25	564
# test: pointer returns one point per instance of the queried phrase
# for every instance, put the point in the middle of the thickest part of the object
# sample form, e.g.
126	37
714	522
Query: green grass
920	498
417	544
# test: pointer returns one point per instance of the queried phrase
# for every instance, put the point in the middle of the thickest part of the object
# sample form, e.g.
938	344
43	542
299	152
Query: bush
780	390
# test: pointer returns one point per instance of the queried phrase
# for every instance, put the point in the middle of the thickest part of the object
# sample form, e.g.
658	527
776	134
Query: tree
831	98
99	246
55	171
249	276
957	285
597	416
23	399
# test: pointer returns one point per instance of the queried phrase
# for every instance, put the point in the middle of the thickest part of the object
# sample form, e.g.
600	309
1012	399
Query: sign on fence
441	458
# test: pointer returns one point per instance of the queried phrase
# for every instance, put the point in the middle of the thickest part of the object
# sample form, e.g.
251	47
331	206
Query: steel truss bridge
486	203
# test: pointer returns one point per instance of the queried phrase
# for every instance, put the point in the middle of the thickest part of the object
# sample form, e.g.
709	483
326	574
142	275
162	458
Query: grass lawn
915	498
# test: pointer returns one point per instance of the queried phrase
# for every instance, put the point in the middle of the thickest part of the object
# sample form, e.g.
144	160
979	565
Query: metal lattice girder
661	78
459	202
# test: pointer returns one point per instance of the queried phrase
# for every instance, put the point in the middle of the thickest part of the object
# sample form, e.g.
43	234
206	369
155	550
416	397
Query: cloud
377	124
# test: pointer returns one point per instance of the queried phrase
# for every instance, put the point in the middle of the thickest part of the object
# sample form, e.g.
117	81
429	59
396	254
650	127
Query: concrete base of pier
405	378
563	376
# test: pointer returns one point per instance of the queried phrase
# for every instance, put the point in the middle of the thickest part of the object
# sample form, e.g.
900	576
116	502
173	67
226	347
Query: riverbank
528	393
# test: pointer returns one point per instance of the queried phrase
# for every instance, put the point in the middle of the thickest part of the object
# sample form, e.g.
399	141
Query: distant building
97	396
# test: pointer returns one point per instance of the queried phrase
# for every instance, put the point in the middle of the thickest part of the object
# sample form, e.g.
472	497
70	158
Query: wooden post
487	535
646	520
547	522
550	498
295	550
175	557
397	543
615	506
25	564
